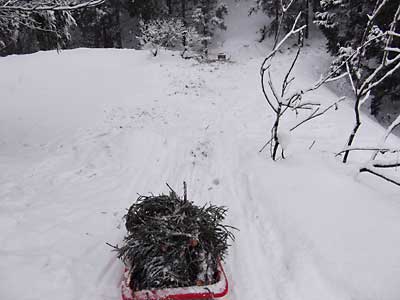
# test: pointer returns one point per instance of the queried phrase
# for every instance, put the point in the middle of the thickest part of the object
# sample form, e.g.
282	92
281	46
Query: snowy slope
84	131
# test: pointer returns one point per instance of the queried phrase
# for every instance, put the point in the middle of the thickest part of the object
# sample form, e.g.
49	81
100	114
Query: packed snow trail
84	131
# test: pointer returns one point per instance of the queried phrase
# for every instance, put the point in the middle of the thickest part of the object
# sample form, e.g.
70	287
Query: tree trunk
355	129
205	41
276	22
97	37
169	5
275	135
104	32
306	18
118	35
183	16
316	5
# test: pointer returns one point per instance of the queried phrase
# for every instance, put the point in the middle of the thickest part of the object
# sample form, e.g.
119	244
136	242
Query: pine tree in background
195	22
149	9
343	23
111	24
274	9
208	16
101	27
169	33
57	29
33	31
29	26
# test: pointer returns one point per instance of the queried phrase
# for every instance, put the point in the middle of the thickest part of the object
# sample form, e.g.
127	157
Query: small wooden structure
221	56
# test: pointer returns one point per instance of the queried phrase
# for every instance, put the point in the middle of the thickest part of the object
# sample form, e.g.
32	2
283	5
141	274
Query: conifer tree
208	16
28	26
101	27
343	23
284	11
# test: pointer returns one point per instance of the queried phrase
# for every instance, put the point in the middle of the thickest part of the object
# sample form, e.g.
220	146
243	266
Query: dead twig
367	170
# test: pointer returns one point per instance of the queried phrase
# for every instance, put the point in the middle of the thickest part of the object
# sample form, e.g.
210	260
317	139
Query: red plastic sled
216	290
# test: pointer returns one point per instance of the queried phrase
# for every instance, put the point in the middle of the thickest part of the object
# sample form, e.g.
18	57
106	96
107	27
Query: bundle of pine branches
173	243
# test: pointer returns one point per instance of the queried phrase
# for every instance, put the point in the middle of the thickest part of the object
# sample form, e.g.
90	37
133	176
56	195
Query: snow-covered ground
84	131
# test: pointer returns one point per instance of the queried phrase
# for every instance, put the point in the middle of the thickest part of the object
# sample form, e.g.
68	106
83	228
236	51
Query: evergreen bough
171	242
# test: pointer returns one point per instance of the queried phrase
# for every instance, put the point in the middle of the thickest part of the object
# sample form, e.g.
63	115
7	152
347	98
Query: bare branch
265	92
382	150
389	130
386	164
272	88
316	113
364	99
286	8
350	77
331	79
380	175
390	37
387	74
331	76
293	31
305	106
265	145
285	80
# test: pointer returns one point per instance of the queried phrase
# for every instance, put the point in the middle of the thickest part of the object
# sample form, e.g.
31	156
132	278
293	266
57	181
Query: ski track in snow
74	156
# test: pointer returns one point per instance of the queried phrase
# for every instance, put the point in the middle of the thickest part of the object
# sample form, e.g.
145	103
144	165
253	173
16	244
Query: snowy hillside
84	131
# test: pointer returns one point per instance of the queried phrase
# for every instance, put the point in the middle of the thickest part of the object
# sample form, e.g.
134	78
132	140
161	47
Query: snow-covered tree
283	100
365	74
101	27
37	24
208	16
284	13
149	9
167	33
344	23
370	57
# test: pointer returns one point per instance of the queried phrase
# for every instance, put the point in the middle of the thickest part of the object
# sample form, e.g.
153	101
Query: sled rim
216	290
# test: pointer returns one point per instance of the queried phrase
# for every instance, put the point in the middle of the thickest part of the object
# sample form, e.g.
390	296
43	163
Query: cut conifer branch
172	242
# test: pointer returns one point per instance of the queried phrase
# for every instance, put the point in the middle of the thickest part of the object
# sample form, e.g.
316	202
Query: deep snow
84	131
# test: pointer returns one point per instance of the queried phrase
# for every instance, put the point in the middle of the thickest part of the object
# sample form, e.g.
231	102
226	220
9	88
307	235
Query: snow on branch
293	31
394	34
286	8
372	164
390	49
389	130
386	164
53	17
353	60
36	6
280	100
317	113
372	80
